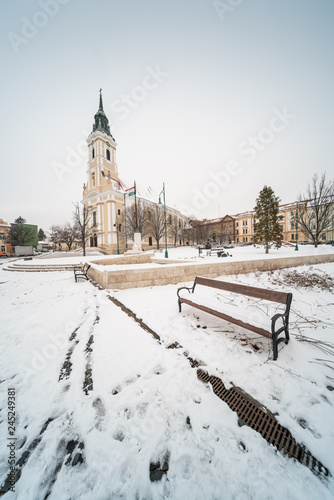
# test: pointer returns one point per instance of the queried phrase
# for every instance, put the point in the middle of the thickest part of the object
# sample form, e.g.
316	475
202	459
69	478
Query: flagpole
136	230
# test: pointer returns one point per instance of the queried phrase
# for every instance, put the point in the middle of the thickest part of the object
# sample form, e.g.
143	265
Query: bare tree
55	231
155	224
315	208
129	220
21	234
65	233
84	223
174	230
70	234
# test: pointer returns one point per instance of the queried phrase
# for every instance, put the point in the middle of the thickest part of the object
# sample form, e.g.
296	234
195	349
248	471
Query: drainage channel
250	412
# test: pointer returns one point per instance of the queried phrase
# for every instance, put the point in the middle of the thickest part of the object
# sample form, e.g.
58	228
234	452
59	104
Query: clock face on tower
108	144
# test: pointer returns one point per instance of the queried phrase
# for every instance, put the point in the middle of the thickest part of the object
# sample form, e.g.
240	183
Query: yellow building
5	238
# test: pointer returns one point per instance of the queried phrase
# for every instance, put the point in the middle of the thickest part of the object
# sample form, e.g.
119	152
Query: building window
119	228
150	241
214	237
179	224
169	219
323	236
118	211
2	236
3	249
237	224
292	236
108	155
149	215
94	219
93	179
93	154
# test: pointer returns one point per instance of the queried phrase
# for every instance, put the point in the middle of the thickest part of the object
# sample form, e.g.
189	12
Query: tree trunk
267	247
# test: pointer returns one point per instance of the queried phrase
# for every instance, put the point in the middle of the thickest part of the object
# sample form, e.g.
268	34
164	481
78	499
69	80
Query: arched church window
93	153
93	179
108	154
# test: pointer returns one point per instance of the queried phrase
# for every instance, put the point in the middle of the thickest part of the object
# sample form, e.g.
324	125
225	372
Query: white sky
222	77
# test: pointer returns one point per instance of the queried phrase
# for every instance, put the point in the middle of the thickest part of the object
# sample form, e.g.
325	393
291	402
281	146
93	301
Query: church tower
102	192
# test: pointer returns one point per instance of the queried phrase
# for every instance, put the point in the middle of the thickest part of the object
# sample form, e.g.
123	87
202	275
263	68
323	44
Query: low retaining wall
179	273
125	259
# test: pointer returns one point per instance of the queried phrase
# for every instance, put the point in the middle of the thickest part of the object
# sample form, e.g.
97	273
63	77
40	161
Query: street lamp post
164	194
117	233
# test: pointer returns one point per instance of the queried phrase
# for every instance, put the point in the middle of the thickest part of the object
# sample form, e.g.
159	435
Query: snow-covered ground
124	401
184	254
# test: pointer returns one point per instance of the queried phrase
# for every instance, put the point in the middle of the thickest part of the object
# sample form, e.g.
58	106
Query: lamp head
159	200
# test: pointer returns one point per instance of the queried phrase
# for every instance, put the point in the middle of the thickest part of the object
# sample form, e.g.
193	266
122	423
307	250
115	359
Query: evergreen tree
20	220
41	234
267	227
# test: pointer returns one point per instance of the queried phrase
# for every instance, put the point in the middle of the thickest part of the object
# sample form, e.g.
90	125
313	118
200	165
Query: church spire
101	103
101	122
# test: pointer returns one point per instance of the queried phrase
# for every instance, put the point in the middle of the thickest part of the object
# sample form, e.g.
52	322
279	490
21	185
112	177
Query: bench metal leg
179	305
275	350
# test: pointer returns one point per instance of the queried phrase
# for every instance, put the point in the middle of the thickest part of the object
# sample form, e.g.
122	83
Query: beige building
5	238
108	201
239	228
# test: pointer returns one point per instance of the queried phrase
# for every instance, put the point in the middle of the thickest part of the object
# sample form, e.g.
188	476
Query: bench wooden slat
220	315
259	293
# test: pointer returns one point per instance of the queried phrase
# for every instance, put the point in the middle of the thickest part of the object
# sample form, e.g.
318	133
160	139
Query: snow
249	252
136	412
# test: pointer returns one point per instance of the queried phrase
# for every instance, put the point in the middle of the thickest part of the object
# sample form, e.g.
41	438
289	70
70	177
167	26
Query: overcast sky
216	99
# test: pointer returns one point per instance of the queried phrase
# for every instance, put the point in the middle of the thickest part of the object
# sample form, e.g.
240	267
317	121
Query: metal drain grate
256	417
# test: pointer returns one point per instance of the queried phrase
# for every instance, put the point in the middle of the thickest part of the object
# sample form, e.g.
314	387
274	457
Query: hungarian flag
131	191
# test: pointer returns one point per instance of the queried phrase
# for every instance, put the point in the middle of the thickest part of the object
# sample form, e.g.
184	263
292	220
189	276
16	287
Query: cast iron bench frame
251	291
81	272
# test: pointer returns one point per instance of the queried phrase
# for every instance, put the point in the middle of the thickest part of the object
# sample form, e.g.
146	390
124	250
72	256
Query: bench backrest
259	293
86	267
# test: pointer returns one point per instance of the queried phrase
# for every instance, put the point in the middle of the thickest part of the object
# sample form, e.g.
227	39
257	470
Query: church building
105	196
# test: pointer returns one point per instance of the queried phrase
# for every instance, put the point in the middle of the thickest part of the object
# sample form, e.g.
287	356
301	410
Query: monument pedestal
136	247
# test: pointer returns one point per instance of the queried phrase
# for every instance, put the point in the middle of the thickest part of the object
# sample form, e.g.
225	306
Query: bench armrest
277	316
184	288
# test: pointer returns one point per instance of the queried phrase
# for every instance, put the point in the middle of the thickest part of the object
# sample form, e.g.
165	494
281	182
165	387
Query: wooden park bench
81	272
259	293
